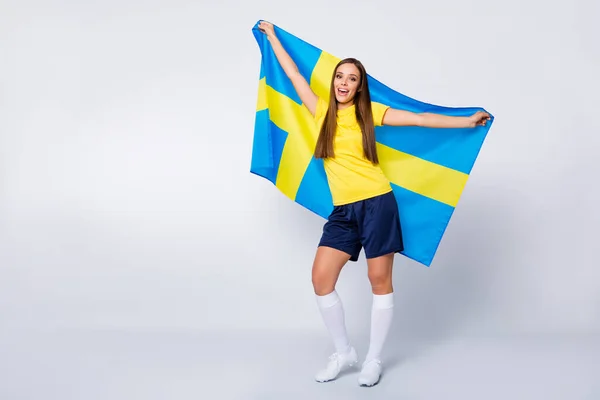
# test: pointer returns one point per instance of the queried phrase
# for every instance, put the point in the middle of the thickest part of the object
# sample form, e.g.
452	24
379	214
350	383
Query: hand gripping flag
427	167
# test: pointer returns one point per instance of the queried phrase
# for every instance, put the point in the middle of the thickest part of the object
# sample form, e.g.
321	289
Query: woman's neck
343	106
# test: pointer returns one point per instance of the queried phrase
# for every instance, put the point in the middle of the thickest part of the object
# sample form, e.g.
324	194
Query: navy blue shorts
372	224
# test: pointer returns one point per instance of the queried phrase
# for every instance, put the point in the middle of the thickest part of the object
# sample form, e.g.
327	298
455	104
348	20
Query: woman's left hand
480	118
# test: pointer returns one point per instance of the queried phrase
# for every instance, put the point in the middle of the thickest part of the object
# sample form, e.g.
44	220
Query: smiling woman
365	213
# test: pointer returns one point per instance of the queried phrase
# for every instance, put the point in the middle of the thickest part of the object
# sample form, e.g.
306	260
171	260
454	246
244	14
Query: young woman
365	213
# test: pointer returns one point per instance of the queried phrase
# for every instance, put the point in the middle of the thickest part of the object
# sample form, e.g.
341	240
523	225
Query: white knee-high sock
381	319
332	311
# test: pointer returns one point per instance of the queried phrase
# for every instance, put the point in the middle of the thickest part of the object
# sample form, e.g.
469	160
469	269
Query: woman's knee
380	272
379	277
326	269
322	281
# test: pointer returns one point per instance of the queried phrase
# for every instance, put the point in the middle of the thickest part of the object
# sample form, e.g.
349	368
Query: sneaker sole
367	385
370	385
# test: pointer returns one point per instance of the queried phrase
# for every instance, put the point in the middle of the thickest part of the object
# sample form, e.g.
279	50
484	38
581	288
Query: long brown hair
364	117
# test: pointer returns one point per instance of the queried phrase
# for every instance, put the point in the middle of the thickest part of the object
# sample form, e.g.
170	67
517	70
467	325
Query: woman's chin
343	100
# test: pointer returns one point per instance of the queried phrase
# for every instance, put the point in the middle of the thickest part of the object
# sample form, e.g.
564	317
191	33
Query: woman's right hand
267	28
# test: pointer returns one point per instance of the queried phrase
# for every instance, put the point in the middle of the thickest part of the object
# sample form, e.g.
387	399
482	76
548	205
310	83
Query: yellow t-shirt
350	175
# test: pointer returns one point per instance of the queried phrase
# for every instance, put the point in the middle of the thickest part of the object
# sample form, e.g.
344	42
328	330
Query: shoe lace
334	359
372	361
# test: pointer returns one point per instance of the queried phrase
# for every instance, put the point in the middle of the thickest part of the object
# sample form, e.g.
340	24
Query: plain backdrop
126	201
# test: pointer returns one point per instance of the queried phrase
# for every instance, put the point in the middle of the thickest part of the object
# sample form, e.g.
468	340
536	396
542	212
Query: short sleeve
321	109
378	112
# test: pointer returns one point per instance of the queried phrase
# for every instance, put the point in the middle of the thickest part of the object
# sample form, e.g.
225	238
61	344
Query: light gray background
133	238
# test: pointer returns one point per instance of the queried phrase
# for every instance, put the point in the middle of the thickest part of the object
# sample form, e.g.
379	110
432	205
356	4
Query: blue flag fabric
427	167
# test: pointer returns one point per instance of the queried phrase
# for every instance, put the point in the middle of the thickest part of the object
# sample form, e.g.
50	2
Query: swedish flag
427	167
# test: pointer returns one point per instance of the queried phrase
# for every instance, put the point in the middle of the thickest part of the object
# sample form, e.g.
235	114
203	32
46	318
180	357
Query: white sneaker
337	363
370	373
